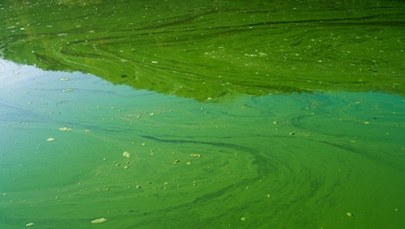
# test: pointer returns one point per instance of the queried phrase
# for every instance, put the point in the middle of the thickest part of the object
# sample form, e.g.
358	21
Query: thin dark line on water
220	144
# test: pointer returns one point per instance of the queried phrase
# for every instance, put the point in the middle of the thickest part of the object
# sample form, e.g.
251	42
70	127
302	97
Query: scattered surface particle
29	224
126	154
176	161
67	90
65	128
50	139
99	220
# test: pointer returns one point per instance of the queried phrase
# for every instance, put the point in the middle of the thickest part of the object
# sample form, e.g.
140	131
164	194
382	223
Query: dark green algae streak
214	49
291	160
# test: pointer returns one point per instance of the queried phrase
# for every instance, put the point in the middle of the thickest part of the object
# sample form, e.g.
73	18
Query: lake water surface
176	114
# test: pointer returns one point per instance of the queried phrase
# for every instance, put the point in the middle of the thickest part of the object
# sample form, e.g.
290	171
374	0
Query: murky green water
222	114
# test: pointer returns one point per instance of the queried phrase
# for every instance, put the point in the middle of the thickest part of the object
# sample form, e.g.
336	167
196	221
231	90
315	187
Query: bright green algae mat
246	114
275	161
212	49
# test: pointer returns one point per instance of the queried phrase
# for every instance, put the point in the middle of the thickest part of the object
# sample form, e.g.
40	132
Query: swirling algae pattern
237	160
212	50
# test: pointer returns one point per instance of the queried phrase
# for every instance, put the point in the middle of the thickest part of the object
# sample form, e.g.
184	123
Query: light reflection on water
286	161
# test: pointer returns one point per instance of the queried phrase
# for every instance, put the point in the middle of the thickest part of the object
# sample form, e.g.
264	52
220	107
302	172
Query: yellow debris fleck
99	220
126	154
197	155
65	128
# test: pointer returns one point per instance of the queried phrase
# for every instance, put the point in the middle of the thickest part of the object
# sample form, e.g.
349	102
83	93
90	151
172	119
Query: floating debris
67	90
50	139
268	195
292	133
99	220
86	131
65	128
176	161
154	62
243	218
64	78
349	214
126	154
197	155
29	224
